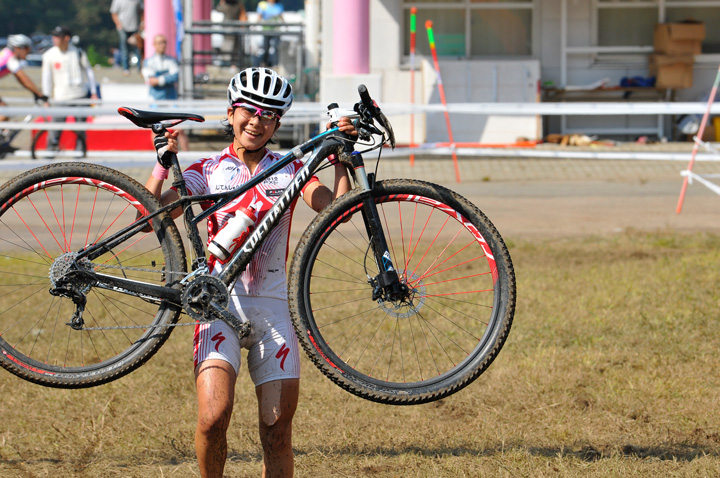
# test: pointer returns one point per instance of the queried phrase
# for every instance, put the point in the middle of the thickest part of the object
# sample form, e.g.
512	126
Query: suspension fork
386	285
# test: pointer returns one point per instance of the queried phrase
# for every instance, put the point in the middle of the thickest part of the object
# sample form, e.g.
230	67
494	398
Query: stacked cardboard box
675	45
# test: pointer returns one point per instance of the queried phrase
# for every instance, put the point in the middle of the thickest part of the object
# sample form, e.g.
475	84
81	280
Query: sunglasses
249	111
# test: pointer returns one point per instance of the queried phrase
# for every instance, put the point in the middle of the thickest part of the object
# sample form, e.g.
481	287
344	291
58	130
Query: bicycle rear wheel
46	216
448	329
70	146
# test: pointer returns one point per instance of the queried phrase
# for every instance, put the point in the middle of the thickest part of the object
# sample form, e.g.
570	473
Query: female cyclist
257	100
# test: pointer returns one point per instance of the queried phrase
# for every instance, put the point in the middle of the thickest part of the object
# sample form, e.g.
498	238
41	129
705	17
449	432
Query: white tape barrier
402	153
315	112
701	179
539	153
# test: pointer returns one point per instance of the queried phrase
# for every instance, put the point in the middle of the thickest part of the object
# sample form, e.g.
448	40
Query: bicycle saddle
146	119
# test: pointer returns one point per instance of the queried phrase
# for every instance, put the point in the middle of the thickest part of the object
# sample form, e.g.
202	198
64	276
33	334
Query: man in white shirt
66	76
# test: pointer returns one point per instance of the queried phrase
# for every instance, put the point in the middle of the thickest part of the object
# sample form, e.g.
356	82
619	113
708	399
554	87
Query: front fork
386	285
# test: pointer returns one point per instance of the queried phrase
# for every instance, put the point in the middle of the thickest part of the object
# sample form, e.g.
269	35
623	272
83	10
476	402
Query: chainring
200	292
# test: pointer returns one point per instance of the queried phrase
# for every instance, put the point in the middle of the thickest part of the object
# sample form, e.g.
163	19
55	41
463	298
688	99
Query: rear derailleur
70	278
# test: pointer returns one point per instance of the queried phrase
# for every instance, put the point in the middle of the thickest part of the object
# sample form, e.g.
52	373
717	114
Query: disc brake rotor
412	304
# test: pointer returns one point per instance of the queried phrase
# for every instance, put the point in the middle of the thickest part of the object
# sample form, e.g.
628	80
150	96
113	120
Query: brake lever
366	130
370	106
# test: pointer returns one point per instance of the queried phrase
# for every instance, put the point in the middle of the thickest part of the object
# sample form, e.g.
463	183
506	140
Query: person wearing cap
12	60
66	76
127	16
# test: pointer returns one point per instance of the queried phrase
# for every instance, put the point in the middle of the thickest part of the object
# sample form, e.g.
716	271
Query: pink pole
159	20
351	30
201	11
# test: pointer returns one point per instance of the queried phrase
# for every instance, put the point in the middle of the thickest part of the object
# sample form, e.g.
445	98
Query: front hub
407	301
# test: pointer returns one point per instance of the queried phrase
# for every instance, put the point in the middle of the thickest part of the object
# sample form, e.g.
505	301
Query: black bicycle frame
321	146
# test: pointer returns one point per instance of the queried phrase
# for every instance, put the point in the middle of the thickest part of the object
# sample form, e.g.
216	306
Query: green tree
91	21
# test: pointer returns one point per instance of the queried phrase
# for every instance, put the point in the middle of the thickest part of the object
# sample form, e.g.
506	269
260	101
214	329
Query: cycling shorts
272	345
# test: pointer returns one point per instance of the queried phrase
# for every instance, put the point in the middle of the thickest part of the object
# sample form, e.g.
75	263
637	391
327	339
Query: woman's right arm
155	182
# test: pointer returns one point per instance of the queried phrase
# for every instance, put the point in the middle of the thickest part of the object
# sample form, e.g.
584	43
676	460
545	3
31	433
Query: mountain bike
401	291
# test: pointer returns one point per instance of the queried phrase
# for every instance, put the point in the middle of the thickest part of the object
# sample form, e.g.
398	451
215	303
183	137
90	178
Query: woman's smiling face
251	132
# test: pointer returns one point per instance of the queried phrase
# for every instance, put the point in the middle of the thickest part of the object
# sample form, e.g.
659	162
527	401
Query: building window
472	28
626	26
631	22
710	16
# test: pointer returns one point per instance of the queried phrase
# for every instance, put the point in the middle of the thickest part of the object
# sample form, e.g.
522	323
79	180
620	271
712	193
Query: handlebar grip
365	96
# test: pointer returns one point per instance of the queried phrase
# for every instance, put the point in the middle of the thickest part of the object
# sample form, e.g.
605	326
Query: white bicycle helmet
262	87
19	41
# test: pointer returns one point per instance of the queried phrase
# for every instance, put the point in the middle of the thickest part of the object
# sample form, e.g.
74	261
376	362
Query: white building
502	50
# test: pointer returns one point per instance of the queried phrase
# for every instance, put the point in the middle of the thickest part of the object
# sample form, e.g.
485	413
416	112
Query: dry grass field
611	369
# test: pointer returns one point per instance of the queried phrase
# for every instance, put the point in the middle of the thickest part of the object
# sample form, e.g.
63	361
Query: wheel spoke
50	214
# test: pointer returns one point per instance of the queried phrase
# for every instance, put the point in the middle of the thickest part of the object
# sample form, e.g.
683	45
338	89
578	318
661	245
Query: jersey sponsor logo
218	338
282	355
271	217
274	193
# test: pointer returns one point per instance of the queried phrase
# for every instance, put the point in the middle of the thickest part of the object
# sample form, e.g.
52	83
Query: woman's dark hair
227	129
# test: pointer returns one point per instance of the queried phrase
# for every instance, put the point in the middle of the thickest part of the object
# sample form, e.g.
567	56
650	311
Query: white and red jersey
9	63
265	275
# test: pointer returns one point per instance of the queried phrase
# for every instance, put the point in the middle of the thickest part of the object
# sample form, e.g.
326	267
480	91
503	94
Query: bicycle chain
110	266
119	327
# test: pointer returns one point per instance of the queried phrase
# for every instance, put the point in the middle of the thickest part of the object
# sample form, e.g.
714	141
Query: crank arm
242	328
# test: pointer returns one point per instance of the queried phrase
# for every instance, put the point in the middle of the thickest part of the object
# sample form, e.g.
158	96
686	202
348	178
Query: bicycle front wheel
47	215
437	339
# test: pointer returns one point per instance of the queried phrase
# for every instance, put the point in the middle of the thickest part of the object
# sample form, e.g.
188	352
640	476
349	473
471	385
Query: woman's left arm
316	194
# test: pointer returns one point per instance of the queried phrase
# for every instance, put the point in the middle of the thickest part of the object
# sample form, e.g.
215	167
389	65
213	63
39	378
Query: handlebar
367	113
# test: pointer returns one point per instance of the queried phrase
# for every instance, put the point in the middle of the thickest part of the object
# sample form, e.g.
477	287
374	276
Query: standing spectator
270	11
161	74
232	10
66	77
12	60
127	15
